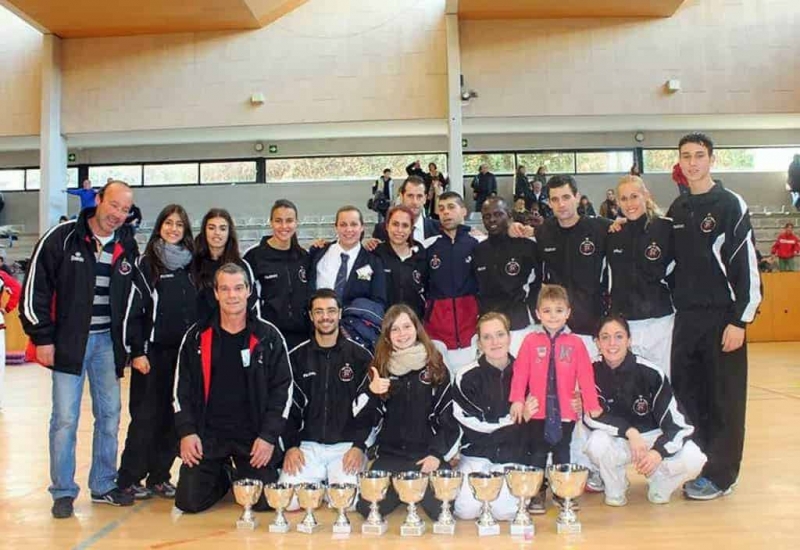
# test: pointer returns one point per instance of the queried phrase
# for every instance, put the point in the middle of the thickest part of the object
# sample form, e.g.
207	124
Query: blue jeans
98	365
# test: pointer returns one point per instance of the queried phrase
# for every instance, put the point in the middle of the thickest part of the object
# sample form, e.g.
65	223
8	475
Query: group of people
429	345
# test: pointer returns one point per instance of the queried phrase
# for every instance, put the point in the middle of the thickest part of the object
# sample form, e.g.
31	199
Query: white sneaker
617	502
657	497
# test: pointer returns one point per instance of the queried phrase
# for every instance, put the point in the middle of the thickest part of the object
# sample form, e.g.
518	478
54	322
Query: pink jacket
572	365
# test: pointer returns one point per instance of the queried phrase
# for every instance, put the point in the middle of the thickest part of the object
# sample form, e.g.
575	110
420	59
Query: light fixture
639	136
673	85
257	98
466	94
258	146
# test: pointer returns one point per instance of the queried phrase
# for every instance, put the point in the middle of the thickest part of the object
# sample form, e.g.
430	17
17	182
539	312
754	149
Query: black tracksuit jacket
405	279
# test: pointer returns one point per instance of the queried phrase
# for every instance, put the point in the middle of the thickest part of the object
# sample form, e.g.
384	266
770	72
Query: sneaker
114	497
558	501
619	501
538	503
595	483
656	497
62	508
164	490
138	491
703	488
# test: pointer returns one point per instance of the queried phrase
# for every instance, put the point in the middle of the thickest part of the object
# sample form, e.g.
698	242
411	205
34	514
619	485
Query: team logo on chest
417	276
652	252
513	268
301	274
425	376
708	224
124	267
346	373
541	353
565	354
641	406
436	262
587	247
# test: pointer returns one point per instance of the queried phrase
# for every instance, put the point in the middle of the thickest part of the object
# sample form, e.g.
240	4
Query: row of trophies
566	481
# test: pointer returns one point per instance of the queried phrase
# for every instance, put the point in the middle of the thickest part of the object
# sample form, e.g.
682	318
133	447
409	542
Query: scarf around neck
173	256
407	360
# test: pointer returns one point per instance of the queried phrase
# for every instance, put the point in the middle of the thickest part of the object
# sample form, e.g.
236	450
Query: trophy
568	482
410	487
340	497
446	485
279	495
247	492
373	485
309	496
486	488
523	483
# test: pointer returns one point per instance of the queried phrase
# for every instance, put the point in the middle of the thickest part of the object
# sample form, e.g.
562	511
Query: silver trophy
523	483
310	497
373	485
340	497
410	487
247	492
446	486
279	495
486	488
568	481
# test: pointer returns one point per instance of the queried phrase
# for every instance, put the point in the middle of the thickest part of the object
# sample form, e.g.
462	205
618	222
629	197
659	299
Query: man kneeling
233	392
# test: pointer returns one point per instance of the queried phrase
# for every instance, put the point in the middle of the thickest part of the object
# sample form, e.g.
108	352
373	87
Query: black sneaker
62	508
138	491
538	503
114	497
163	490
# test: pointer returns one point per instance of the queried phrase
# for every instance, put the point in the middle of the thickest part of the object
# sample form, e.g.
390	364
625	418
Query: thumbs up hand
378	385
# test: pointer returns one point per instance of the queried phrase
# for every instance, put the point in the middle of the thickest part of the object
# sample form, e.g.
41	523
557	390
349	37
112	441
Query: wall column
53	145
454	123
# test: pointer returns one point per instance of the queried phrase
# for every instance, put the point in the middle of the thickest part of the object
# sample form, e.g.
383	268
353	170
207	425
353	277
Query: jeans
98	365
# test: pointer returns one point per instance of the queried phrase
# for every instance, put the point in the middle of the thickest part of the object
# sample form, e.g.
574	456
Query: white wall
20	76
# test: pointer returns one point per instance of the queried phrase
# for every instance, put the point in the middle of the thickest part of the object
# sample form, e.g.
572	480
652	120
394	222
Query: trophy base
524	531
488	530
278	528
568	528
308	529
342	529
246	525
374	529
444	529
412	530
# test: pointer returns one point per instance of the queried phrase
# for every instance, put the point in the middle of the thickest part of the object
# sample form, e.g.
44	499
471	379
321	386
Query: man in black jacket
233	391
323	440
412	195
72	309
484	185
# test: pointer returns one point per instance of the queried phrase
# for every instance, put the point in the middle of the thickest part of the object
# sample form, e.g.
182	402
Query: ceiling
558	9
91	18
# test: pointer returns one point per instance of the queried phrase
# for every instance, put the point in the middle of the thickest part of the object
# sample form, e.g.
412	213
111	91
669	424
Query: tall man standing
484	185
412	195
72	308
717	292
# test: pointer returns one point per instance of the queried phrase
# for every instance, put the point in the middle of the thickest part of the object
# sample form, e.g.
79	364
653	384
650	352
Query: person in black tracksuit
233	391
484	185
717	292
161	307
280	269
410	398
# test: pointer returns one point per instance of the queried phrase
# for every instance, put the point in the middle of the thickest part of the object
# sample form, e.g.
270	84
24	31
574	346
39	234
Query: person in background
484	185
86	194
680	179
4	263
585	208
786	247
538	196
609	208
793	181
412	195
134	217
10	289
384	185
521	214
521	183
541	176
635	171
438	185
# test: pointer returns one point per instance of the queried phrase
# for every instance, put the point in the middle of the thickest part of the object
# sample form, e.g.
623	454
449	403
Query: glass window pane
228	172
659	160
33	178
348	168
556	162
604	162
72	177
499	163
762	159
12	180
170	174
129	173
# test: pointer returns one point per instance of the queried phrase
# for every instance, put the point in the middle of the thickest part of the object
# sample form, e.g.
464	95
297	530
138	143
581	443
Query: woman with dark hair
403	261
280	273
437	184
216	245
585	208
161	307
409	396
641	424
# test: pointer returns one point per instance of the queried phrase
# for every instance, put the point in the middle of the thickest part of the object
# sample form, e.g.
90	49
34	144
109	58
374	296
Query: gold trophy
310	496
410	487
279	495
246	492
373	485
486	488
340	497
568	481
446	485
523	483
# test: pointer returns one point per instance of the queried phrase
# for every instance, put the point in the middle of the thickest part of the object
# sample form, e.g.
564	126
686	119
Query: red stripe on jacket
206	337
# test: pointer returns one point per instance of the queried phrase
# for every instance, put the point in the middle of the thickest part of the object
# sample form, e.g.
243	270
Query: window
228	172
33	179
349	168
170	174
129	173
760	159
604	162
555	162
12	180
499	163
659	160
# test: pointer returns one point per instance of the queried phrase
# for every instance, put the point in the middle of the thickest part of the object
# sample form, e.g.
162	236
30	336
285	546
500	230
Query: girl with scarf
409	398
161	307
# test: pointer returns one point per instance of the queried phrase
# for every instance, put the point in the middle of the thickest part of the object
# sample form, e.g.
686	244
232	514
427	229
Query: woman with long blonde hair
409	396
640	257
